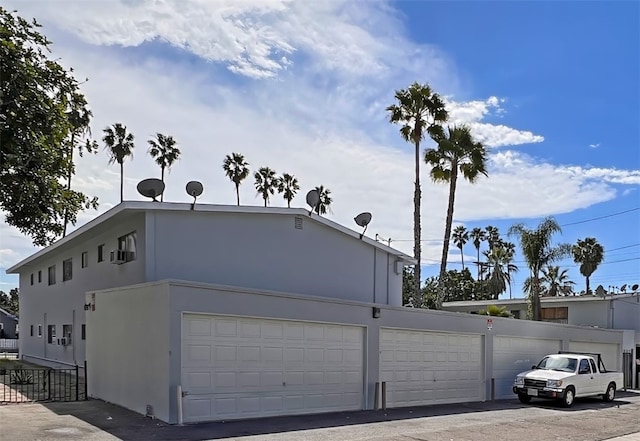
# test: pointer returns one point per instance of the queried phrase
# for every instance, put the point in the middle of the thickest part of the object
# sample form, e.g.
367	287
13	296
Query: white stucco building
257	312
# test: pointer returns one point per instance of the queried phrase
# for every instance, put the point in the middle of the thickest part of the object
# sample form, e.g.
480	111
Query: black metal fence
627	368
25	385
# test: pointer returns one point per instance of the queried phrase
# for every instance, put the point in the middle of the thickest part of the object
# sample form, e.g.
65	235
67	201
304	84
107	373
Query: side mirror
533	366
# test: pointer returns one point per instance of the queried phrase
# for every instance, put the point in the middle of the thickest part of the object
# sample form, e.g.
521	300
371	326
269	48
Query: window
30	330
39	276
555	315
83	332
128	243
32	278
52	275
100	253
67	333
85	259
51	334
584	367
67	270
593	366
39	330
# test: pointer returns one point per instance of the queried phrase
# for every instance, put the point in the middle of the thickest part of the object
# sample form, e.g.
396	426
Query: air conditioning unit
120	256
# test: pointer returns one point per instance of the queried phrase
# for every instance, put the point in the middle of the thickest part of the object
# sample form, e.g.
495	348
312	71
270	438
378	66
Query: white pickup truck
565	376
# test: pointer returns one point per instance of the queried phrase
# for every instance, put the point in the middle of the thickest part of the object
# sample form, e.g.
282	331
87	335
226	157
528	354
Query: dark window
51	334
584	367
67	270
556	315
52	275
32	278
127	243
39	276
100	253
67	333
39	330
85	259
30	330
84	332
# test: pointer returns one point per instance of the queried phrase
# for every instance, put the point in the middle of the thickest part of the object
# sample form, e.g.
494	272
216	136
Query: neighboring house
8	324
227	312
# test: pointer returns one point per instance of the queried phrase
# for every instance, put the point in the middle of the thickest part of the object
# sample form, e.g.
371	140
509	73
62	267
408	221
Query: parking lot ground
95	420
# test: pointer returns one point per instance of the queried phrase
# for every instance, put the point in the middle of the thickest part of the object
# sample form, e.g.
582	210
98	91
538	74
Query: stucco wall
594	313
626	313
266	251
128	348
63	303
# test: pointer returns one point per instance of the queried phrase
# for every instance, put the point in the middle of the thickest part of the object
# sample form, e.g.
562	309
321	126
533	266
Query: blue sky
552	89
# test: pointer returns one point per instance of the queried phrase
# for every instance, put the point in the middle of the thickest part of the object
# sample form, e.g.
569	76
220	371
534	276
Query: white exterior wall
594	313
128	351
626	313
63	302
266	251
207	299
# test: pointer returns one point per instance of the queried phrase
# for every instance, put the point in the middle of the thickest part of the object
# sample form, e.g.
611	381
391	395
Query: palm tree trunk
238	194
462	258
535	298
162	179
121	181
449	220
416	228
478	262
265	202
588	290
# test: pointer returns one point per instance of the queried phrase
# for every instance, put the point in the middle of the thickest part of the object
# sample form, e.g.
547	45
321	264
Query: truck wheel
524	398
568	397
610	394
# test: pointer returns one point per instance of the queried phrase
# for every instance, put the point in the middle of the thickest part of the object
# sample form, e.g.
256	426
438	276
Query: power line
601	217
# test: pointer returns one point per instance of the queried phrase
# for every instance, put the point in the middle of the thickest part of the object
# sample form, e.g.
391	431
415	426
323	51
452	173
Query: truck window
584	367
593	366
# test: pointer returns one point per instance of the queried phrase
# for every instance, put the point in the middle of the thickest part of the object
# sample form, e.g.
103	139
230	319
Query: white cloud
594	146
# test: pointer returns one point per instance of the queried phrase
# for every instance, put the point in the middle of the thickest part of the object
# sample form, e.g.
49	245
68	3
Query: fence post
86	379
77	384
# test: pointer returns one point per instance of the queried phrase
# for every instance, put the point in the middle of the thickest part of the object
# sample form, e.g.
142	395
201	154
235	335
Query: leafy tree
495	311
36	126
418	110
500	268
539	252
478	236
288	186
324	206
589	254
460	237
163	149
236	169
119	146
408	281
266	183
555	282
457	152
10	301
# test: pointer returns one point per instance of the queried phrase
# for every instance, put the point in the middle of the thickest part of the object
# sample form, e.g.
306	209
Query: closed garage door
234	367
610	352
422	367
512	355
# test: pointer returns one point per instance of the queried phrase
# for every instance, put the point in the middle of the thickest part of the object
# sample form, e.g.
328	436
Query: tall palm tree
120	146
510	248
163	149
493	236
460	236
418	110
266	183
555	282
324	206
500	269
539	252
288	186
478	236
236	169
589	254
457	152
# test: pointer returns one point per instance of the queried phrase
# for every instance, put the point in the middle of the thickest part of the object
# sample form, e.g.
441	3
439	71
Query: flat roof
130	207
523	301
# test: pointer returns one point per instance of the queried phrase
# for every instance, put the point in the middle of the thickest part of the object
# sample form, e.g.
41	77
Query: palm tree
236	169
163	149
460	236
538	252
589	254
266	183
500	268
555	282
418	110
456	153
493	236
478	236
288	186
120	146
510	248
324	206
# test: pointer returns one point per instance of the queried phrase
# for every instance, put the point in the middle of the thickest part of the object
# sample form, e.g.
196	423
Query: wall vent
298	222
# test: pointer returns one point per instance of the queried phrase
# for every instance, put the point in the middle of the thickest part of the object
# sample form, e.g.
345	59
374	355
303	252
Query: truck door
585	379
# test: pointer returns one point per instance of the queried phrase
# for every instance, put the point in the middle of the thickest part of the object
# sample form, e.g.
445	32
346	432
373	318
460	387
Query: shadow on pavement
130	426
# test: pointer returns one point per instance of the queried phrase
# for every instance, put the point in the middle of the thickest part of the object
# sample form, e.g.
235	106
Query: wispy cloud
594	146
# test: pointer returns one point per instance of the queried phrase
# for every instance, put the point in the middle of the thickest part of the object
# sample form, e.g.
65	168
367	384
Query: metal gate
26	385
627	368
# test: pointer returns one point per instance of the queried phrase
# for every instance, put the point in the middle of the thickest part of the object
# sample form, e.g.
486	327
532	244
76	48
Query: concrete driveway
588	420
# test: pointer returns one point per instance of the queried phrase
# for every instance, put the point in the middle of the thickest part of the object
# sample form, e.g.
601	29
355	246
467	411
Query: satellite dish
623	288
151	188
363	220
313	199
634	287
194	188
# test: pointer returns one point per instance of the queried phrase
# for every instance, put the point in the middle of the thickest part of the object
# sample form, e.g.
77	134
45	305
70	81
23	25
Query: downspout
375	257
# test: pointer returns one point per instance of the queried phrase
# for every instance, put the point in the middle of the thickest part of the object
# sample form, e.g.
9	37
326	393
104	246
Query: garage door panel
610	352
422	367
245	367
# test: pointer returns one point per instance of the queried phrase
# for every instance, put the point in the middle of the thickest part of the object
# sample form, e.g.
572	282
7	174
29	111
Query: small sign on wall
489	324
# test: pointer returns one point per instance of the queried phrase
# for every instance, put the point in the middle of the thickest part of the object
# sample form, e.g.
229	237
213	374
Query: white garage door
235	367
422	367
610	352
512	355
